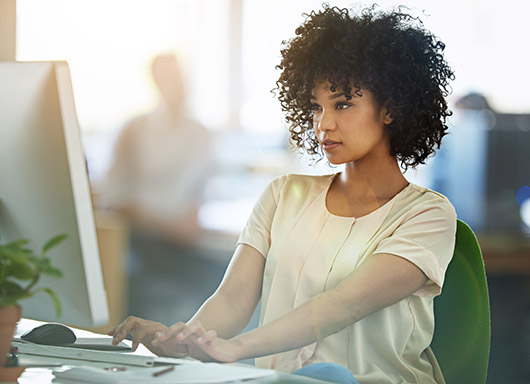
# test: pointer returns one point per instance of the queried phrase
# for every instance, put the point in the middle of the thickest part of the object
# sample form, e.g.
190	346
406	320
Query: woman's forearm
224	314
231	307
309	323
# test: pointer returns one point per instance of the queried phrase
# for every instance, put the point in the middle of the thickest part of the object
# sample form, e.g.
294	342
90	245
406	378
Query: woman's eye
340	106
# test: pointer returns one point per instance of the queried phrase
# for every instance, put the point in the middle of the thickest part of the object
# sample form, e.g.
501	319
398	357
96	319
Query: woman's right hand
144	332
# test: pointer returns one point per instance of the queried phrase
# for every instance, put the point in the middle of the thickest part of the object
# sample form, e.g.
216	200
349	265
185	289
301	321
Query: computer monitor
44	188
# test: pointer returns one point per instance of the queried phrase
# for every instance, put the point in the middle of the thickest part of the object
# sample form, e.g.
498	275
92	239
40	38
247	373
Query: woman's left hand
203	345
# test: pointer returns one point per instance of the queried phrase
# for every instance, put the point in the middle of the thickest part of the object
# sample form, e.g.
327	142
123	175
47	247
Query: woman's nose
326	121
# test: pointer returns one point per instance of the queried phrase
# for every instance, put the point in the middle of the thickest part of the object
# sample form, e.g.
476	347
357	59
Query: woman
346	265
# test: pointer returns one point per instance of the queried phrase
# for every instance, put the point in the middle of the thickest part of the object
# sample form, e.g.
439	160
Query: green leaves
10	293
20	269
53	242
20	264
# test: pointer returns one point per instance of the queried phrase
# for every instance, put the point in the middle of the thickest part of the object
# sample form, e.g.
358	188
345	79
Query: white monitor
44	188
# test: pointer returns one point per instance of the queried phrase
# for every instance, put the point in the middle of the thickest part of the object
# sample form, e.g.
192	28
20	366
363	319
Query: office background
227	50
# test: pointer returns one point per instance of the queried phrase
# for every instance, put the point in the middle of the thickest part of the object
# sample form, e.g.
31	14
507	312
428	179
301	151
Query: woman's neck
381	180
360	190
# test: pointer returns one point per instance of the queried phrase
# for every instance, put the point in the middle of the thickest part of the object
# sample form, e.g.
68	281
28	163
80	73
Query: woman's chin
334	161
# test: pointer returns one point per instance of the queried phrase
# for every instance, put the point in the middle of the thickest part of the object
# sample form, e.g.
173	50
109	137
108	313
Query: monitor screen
44	188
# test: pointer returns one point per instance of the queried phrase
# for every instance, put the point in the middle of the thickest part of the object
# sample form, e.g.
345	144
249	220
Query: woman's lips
328	145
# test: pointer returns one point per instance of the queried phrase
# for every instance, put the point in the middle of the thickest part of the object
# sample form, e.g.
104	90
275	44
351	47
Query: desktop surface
41	368
45	376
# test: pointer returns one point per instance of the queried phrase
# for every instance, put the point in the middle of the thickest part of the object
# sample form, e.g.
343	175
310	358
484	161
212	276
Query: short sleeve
257	231
426	238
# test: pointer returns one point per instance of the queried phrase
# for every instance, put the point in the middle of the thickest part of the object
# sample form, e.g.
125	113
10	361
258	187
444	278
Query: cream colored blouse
308	250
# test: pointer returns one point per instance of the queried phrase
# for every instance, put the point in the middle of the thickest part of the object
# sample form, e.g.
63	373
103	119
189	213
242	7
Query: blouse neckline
389	202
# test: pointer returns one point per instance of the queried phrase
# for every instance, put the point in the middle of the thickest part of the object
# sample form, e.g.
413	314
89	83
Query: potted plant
20	270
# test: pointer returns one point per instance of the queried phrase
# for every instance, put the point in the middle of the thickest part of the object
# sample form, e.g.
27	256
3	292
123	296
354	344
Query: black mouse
50	334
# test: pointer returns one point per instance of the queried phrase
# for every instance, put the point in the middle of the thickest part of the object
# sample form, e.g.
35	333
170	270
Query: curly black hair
389	54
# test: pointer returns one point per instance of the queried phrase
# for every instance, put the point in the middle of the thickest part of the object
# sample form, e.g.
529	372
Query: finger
159	337
116	336
208	337
124	328
112	331
146	333
172	331
137	339
194	329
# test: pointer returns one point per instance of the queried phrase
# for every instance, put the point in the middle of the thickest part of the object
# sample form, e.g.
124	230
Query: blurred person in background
160	166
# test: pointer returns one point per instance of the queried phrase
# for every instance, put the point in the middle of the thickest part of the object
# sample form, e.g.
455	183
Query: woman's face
350	130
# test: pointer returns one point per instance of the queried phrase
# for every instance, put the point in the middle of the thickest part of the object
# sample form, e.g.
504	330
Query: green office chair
462	333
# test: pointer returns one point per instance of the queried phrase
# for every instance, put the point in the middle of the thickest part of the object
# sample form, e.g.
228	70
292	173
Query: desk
45	375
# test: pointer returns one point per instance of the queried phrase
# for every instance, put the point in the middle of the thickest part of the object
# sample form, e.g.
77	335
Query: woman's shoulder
297	187
423	198
302	182
427	193
296	178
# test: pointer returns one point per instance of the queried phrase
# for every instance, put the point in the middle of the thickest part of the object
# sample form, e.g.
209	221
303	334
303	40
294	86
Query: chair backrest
462	333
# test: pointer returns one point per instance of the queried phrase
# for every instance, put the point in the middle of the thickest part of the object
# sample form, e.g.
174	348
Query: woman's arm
227	311
381	281
230	308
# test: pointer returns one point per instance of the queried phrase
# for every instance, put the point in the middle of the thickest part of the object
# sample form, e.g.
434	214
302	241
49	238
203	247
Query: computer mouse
50	334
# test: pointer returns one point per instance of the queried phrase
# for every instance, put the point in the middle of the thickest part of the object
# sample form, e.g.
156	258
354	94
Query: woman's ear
387	114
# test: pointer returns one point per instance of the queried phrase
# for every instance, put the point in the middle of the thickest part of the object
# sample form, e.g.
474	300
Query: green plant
21	268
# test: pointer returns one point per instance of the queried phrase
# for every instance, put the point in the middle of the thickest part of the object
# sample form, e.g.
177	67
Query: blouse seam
302	269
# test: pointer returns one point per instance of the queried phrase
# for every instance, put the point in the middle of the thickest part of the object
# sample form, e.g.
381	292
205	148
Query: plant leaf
53	272
11	292
54	241
21	263
41	263
17	243
20	270
22	255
